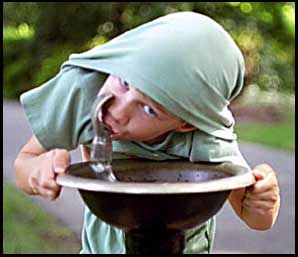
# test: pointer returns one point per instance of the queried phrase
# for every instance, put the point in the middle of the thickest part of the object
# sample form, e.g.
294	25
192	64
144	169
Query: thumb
61	160
259	175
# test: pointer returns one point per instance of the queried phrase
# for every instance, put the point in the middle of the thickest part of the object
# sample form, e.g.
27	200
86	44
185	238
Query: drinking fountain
153	202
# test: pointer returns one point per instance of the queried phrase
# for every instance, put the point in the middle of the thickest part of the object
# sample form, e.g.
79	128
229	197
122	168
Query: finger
263	169
37	189
61	160
46	176
33	183
50	185
48	189
47	193
271	195
258	175
266	184
259	211
265	205
51	195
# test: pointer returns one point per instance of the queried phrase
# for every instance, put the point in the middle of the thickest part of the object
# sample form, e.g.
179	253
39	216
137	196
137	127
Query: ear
185	127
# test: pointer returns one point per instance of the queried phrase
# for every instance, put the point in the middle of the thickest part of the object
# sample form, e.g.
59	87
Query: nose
121	109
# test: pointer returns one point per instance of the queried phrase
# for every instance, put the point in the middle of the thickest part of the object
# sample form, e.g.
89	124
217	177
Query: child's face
133	116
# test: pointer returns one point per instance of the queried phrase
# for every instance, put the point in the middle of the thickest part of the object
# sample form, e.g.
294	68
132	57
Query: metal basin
172	194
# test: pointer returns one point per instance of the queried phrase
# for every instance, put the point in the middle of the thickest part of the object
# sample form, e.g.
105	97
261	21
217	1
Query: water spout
101	147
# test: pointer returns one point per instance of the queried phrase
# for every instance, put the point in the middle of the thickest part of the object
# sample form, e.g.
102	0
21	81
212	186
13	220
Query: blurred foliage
39	36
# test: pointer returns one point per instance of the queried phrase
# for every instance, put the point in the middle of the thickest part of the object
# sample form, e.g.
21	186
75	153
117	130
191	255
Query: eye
149	111
124	83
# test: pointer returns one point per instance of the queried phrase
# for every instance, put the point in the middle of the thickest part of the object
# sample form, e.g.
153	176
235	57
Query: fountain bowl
175	195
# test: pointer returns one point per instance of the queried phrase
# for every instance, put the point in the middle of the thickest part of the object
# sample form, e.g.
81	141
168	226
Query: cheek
147	129
138	128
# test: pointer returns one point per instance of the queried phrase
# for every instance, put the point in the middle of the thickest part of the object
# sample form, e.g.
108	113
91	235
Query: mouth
108	119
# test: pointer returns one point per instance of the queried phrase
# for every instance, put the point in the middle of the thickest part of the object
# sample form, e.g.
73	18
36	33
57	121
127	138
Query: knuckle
264	167
31	181
51	195
275	188
261	211
275	197
61	156
43	183
61	152
246	202
49	153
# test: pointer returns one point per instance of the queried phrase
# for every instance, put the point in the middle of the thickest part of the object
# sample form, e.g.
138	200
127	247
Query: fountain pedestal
154	240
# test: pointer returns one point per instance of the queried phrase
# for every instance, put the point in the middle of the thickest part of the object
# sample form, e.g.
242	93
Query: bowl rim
244	179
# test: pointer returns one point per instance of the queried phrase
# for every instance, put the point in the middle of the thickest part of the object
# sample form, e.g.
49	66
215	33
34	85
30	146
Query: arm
258	205
36	169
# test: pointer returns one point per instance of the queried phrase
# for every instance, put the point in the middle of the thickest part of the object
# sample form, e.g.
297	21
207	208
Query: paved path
232	235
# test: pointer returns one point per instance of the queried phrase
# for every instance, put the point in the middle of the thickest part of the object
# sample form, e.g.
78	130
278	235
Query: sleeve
59	110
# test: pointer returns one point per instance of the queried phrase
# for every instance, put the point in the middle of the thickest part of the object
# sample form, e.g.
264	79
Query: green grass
29	229
280	135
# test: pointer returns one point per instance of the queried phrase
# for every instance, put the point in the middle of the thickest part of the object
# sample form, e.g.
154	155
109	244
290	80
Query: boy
172	80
